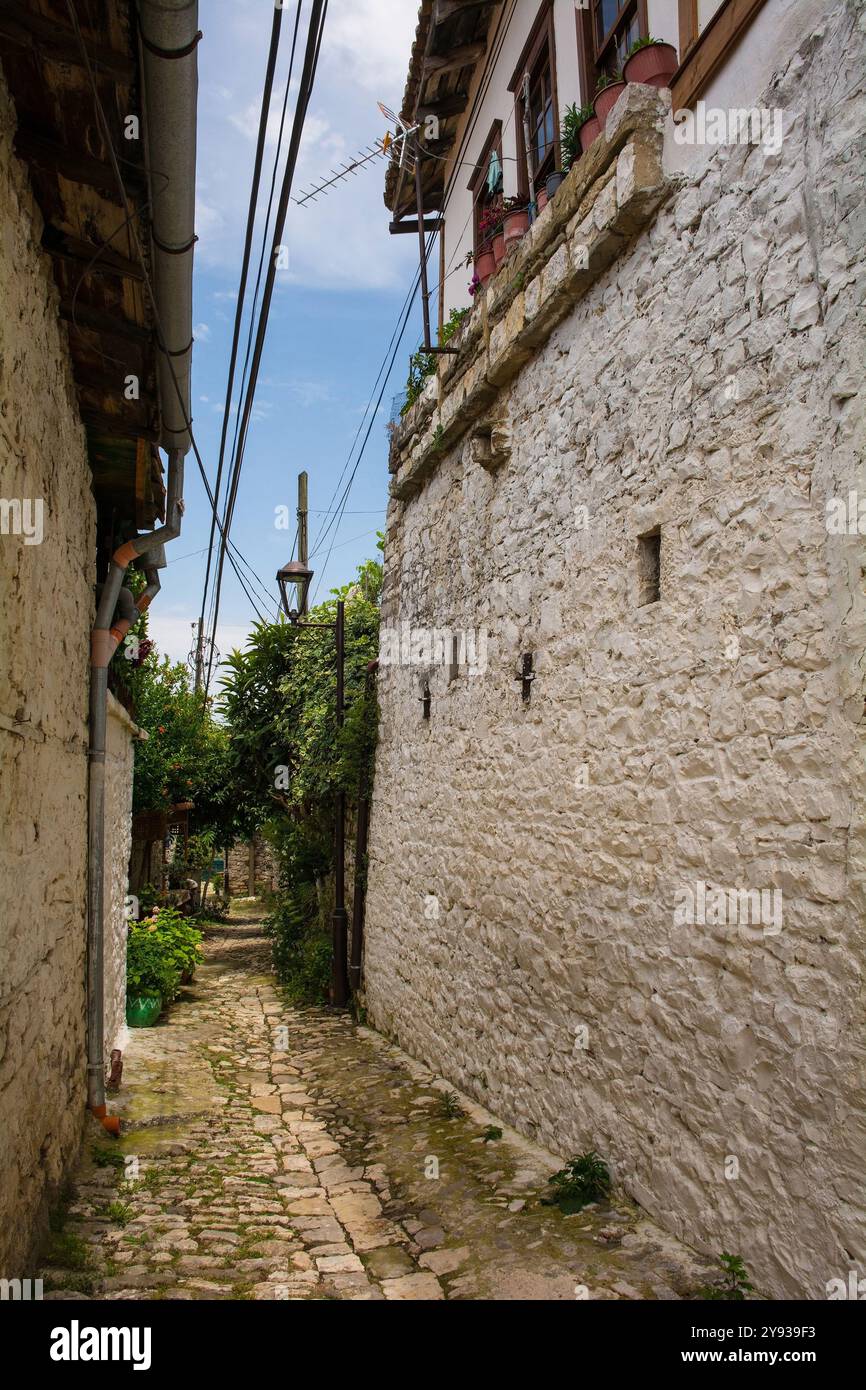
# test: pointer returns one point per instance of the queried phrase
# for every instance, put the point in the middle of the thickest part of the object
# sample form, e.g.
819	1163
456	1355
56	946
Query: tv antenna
388	144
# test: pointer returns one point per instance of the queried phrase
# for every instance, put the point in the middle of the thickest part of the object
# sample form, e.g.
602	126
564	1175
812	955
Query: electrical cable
248	241
311	57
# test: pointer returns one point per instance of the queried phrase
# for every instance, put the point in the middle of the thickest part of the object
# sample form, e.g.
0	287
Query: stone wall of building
531	863
46	612
252	868
120	751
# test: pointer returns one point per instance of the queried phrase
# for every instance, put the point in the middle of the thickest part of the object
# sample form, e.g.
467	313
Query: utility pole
198	642
303	543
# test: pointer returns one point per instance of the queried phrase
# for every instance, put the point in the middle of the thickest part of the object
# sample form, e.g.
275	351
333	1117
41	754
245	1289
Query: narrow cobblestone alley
276	1153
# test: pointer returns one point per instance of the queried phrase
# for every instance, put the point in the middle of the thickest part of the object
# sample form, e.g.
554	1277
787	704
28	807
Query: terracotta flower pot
516	224
653	65
541	200
485	262
589	131
605	101
499	248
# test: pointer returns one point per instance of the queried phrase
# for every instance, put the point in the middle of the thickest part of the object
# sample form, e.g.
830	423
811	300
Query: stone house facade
616	856
80	476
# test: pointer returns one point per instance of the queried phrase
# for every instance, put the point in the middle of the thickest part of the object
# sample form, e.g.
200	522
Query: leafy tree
288	758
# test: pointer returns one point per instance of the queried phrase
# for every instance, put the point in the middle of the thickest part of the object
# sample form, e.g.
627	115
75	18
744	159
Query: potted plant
574	118
490	230
161	953
650	61
607	91
151	978
485	262
516	219
552	183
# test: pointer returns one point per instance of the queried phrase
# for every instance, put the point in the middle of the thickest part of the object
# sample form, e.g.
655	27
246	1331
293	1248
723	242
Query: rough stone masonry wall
120	751
265	868
46	610
709	383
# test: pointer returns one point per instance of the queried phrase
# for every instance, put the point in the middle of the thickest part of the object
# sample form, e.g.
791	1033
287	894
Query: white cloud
341	241
201	332
173	632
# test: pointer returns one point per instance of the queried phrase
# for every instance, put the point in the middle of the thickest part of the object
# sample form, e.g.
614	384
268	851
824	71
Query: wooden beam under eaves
410	224
75	166
446	9
102	260
453	105
23	26
106	325
462	57
118	427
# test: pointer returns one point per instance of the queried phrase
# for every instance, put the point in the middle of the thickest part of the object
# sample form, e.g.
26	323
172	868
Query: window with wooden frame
705	48
536	109
606	30
486	182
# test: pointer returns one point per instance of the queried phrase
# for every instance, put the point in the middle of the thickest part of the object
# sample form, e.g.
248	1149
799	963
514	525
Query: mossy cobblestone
271	1152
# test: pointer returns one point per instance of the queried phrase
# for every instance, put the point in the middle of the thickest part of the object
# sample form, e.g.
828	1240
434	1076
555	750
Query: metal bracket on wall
526	676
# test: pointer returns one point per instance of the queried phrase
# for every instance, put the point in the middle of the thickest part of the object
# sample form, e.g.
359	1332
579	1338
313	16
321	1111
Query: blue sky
333	311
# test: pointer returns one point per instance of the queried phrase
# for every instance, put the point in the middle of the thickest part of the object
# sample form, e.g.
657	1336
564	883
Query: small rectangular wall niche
649	567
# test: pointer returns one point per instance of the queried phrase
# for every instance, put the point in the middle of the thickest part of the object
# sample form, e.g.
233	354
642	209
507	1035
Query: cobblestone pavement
275	1153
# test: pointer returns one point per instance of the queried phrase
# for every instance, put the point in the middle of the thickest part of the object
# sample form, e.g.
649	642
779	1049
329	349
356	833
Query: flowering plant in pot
516	219
651	61
606	93
490	229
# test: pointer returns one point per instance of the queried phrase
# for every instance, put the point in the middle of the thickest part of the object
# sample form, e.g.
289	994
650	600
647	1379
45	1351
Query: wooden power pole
303	543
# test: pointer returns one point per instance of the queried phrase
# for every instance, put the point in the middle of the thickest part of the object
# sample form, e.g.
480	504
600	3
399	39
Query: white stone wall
527	860
46	611
120	750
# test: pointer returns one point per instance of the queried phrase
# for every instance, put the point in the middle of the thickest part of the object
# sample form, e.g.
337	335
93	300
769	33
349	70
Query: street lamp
295	572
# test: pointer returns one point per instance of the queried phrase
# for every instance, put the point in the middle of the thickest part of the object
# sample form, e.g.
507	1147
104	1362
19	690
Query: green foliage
573	118
647	42
119	1212
423	364
66	1251
734	1285
584	1179
186	754
147	898
491	1133
302	951
450	1106
606	79
289	759
104	1157
159	950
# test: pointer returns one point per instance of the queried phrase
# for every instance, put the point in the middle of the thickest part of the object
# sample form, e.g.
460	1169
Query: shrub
301	949
158	951
734	1285
583	1180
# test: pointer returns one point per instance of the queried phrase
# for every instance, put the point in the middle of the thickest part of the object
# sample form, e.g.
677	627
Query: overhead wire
315	30
248	241
125	203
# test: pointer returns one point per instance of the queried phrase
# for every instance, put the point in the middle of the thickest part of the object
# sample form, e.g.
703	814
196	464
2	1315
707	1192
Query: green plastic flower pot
142	1010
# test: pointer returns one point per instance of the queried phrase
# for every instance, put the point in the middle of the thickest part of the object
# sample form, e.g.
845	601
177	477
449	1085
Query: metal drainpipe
168	38
104	641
